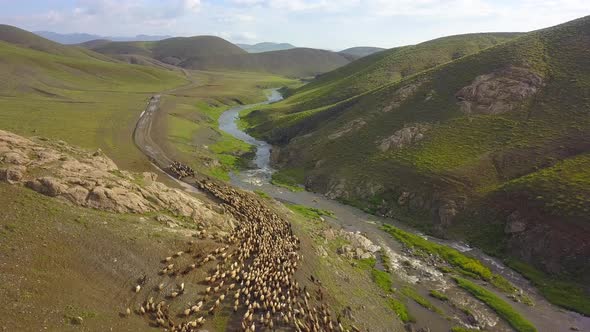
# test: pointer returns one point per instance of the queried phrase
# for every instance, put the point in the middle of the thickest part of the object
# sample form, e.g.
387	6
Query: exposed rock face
359	247
447	212
499	92
515	223
348	128
401	95
12	174
93	180
407	136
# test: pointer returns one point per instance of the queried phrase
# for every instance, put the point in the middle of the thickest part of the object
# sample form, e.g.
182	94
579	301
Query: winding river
545	316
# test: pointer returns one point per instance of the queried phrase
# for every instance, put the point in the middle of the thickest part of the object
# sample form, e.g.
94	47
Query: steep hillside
389	66
361	51
491	147
297	62
265	47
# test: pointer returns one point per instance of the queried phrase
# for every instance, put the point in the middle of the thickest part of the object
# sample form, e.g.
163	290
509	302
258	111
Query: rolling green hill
389	66
361	51
172	51
214	53
297	62
491	147
26	39
69	93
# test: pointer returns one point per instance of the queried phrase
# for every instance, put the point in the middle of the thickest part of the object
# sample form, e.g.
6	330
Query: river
545	316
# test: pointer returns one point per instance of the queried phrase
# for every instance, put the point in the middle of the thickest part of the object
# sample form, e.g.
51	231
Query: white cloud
193	5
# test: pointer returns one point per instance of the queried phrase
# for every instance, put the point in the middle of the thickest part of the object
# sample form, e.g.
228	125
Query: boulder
515	223
12	174
77	194
407	136
48	186
15	158
447	212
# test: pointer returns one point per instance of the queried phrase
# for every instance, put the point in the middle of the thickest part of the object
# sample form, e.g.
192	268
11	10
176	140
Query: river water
545	316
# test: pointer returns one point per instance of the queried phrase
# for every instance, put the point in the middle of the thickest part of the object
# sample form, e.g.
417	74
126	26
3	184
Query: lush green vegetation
465	265
391	65
485	166
77	97
289	179
558	291
462	329
421	300
262	194
438	295
191	127
382	279
501	307
401	310
309	212
214	53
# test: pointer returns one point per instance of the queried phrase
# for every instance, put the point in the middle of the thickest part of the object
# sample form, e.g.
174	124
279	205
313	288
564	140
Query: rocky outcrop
358	246
401	95
348	128
515	223
407	136
499	92
93	180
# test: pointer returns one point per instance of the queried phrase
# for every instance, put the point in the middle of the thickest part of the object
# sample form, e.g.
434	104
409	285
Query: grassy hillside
26	39
390	66
187	126
489	146
361	51
297	62
214	53
172	51
69	95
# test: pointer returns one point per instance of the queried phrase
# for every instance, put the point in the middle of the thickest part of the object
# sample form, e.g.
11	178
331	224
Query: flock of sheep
252	273
180	170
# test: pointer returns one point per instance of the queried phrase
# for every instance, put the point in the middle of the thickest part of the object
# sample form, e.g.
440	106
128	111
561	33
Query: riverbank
416	273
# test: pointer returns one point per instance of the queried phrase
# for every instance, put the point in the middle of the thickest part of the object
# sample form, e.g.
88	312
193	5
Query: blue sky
330	24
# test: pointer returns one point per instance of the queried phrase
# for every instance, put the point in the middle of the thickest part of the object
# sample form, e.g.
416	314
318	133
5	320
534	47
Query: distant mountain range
78	38
266	47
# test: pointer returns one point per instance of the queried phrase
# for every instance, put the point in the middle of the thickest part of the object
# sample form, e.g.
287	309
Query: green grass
466	265
262	194
463	329
421	300
533	156
199	105
309	212
401	310
78	98
559	291
289	178
382	279
501	307
438	295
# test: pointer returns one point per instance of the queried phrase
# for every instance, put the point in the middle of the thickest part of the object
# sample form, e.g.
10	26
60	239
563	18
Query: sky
327	24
